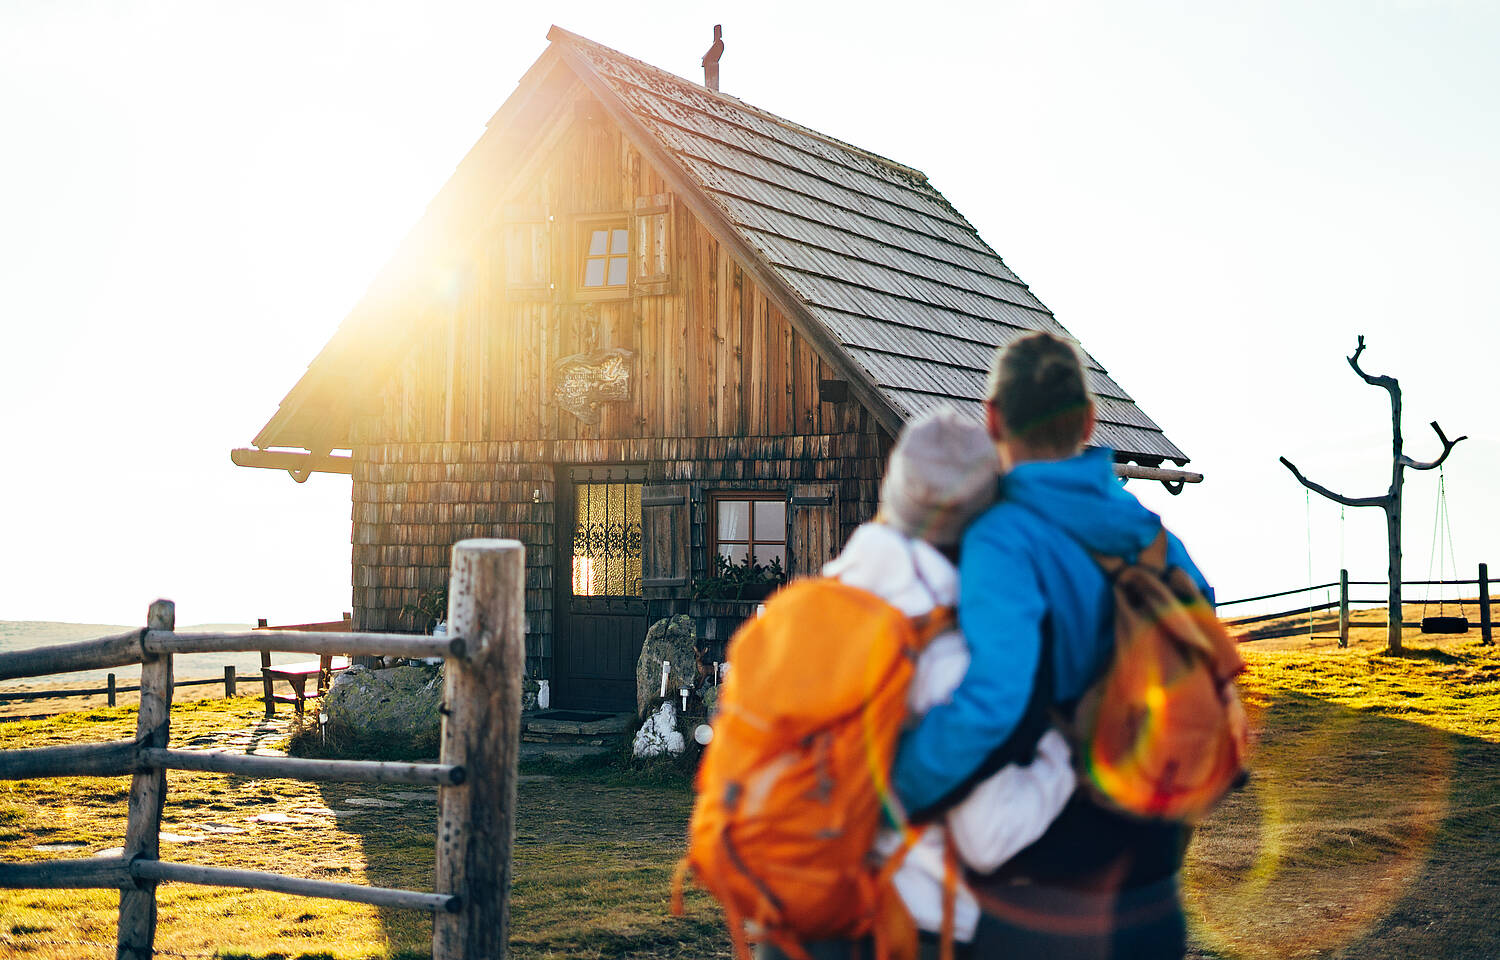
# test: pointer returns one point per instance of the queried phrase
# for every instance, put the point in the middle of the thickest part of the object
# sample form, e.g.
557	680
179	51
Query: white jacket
1005	813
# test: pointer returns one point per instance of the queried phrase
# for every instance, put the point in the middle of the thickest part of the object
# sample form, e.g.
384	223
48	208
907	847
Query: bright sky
1214	197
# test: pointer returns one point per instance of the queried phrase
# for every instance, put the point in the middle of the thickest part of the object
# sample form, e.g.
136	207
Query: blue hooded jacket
1026	567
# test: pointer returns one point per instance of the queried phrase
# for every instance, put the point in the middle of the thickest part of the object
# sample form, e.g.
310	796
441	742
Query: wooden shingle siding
408	512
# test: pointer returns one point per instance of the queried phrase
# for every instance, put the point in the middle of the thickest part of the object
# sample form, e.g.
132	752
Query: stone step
575	738
576	723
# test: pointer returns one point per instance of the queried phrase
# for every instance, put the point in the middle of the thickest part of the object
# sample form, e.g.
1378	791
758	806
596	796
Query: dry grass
593	858
1367	831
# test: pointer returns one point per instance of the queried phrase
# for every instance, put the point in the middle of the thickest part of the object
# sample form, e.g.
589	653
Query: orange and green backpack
794	785
1162	735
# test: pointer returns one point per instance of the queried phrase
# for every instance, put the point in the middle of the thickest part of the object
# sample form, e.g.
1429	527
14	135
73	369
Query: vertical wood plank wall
466	439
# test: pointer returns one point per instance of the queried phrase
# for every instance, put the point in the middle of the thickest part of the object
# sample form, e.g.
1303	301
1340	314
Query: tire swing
1442	623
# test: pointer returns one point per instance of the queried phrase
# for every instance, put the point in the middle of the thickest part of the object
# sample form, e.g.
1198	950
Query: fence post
148	789
481	732
111	692
228	680
1343	608
1485	633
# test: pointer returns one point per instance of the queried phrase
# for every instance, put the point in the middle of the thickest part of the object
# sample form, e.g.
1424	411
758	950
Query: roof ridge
741	104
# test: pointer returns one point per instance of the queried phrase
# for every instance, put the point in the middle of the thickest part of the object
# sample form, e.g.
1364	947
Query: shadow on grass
596	842
1434	654
1360	835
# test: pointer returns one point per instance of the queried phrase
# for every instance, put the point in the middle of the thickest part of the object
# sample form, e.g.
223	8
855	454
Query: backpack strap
933	624
1154	557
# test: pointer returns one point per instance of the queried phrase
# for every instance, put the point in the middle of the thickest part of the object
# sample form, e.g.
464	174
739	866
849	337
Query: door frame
567	694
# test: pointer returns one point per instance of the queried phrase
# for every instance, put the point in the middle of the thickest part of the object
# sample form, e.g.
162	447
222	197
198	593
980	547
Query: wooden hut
643	325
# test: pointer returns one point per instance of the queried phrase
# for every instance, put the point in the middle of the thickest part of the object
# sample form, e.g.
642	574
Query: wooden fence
110	688
1486	624
484	658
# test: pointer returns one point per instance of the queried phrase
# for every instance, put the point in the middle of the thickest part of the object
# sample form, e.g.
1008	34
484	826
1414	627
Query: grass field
1368	830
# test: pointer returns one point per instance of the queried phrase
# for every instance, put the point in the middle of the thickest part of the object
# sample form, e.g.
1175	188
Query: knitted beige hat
943	473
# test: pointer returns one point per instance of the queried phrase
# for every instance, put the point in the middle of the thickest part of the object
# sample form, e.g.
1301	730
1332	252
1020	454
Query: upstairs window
606	256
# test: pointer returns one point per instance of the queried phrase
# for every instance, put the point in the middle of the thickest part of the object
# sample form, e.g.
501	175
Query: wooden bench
297	674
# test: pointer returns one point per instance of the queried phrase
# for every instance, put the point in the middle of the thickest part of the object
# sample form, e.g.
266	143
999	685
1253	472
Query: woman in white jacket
1003	814
942	474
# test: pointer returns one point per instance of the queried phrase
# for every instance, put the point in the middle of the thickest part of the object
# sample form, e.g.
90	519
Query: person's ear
993	424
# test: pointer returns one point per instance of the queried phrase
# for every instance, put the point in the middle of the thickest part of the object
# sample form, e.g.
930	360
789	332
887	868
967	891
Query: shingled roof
897	277
876	267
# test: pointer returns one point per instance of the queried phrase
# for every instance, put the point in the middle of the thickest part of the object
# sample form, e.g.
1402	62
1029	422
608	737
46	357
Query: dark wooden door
601	614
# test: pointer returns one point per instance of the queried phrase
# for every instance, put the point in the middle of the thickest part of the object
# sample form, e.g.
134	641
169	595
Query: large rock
395	707
670	639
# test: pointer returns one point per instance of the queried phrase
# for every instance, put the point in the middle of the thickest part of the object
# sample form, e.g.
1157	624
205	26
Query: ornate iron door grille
606	533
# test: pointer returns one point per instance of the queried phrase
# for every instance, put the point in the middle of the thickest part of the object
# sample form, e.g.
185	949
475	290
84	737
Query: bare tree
1390	502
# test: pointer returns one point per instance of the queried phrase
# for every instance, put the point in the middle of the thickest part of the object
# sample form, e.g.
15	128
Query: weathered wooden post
1343	608
481	732
228	680
1486	635
110	683
148	789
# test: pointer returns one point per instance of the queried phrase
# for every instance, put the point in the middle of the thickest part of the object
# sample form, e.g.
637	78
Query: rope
1433	548
1307	509
1448	525
1342	564
1442	551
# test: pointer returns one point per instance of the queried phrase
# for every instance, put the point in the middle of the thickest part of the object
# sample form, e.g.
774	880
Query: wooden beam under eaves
299	465
1171	479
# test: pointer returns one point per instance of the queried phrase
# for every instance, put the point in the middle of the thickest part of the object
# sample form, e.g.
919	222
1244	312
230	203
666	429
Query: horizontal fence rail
279	883
126	649
475	774
298	768
228	680
1485	623
157	642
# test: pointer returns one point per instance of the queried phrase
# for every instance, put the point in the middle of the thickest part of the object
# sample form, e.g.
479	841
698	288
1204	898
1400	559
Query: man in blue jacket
1098	885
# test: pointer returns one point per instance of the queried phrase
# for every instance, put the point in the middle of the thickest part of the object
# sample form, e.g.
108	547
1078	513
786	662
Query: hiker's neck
1014	450
1014	454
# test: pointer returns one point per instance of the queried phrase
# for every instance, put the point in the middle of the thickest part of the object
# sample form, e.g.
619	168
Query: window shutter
651	234
814	522
665	535
528	252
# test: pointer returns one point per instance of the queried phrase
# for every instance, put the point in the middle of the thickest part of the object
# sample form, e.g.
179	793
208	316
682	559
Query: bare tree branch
1388	383
1448	446
1318	488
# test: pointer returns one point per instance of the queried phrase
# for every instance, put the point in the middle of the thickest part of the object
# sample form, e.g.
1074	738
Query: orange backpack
1162	734
791	789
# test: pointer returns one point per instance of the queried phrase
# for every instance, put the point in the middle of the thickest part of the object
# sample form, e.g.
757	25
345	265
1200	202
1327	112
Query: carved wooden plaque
586	380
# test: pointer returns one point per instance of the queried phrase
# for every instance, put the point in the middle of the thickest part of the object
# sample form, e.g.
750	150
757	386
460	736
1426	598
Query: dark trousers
927	949
1047	923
